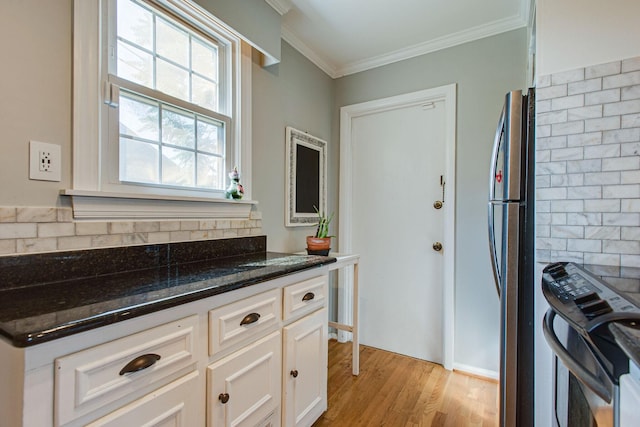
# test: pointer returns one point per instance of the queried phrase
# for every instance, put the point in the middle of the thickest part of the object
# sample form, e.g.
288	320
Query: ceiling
348	36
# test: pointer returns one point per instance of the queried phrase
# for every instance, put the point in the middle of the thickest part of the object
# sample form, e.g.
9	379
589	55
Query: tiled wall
588	165
35	229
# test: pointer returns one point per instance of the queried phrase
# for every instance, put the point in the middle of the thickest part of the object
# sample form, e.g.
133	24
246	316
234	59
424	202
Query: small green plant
323	224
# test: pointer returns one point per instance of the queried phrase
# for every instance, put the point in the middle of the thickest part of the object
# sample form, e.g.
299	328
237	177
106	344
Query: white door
398	159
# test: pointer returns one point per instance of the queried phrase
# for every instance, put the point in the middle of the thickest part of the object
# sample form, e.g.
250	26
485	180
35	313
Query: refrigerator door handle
492	191
494	155
492	249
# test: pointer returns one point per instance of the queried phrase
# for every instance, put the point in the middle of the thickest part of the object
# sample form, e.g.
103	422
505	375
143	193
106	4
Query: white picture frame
306	178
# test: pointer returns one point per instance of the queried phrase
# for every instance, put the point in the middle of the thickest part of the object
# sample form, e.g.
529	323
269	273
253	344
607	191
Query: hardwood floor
395	390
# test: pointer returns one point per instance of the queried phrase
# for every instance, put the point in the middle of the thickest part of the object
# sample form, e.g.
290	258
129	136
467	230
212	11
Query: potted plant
321	242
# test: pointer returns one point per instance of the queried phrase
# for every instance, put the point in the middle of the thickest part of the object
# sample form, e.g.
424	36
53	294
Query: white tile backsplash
44	229
588	165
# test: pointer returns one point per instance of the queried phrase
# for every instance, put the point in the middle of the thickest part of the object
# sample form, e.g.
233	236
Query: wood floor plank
399	391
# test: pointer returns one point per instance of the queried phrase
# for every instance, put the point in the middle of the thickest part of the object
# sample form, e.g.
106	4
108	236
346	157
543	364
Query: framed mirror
306	176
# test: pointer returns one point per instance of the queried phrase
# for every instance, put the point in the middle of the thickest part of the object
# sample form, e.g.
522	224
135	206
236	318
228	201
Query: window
164	111
171	106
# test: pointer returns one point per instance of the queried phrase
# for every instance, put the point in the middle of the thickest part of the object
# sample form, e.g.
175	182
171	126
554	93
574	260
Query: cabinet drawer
95	377
243	320
305	297
175	404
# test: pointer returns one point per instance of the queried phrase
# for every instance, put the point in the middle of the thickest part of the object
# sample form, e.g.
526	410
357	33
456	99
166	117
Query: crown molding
280	6
322	63
524	18
451	40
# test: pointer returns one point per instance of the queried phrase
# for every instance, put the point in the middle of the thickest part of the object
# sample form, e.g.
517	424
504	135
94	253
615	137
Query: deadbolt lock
437	204
437	246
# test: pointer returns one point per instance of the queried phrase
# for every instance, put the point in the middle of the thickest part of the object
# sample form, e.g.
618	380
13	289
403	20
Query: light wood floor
394	390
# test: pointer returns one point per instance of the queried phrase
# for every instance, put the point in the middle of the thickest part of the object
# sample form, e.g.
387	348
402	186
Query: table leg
356	342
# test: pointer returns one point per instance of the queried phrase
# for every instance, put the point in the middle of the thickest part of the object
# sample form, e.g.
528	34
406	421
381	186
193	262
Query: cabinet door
244	388
305	370
175	405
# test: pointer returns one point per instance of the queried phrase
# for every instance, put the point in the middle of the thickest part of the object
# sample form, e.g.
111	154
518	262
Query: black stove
584	302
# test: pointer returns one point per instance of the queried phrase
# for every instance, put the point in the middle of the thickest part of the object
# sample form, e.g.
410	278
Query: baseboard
476	372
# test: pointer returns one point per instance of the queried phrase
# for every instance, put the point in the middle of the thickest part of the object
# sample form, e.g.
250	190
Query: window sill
96	205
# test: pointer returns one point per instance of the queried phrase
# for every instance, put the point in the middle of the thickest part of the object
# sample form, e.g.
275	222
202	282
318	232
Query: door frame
446	94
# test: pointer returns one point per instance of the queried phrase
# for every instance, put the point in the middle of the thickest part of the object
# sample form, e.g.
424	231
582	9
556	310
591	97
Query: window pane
139	119
204	59
135	24
205	93
178	128
138	161
210	171
210	137
172	80
135	65
171	42
178	167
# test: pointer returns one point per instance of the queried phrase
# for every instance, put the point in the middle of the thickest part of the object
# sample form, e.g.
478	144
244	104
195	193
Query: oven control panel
584	299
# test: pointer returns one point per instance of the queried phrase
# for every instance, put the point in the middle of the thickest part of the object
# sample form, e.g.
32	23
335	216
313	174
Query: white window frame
94	196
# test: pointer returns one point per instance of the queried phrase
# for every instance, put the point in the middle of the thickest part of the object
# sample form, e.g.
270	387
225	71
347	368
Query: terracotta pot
318	243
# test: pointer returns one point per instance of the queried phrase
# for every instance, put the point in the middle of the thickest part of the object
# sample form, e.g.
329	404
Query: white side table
347	260
342	261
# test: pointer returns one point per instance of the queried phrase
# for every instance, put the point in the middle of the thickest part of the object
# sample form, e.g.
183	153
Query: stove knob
586	298
595	308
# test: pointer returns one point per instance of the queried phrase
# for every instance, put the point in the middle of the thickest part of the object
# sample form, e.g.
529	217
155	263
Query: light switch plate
44	161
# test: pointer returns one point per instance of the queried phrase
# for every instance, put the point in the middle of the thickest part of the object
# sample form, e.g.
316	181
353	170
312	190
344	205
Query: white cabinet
305	370
244	388
630	397
218	361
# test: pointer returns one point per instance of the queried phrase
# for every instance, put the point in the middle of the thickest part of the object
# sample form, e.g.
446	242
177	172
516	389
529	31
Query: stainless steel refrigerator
511	242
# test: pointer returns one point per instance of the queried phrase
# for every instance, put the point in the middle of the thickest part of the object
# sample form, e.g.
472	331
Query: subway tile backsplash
45	229
588	165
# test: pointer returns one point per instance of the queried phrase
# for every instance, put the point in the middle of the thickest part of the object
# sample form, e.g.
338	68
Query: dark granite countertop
625	281
49	296
627	335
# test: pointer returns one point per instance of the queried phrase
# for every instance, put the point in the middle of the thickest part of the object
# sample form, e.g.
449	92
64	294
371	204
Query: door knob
437	246
437	204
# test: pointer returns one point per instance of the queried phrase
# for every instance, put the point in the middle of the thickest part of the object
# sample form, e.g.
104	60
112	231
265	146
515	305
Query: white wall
577	33
36	84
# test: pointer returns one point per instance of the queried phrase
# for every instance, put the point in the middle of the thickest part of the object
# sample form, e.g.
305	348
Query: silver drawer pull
140	363
249	319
